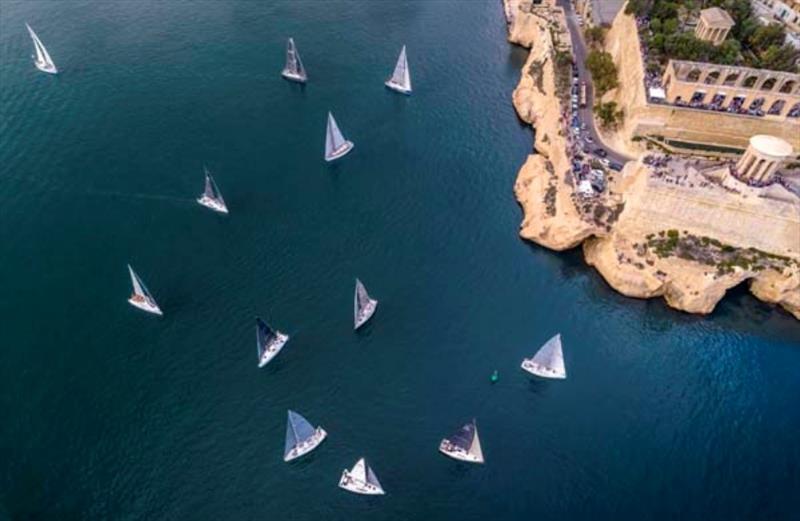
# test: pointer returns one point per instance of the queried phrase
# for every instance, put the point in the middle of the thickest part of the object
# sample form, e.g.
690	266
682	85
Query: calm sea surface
109	413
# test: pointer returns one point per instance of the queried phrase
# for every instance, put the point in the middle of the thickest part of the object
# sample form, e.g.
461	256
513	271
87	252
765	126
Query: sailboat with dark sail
269	342
293	70
212	197
336	145
301	437
363	305
464	445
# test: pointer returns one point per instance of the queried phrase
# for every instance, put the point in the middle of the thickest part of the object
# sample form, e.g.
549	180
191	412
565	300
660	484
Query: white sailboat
301	437
548	362
269	342
464	445
400	80
363	305
293	70
336	145
141	297
42	58
361	480
212	197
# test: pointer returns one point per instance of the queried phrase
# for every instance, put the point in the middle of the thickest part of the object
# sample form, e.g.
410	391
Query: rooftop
716	17
771	145
604	11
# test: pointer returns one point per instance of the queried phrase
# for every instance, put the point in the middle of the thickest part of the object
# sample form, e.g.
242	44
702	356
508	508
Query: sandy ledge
648	235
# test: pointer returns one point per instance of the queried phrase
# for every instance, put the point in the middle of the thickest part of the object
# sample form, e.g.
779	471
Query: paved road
585	114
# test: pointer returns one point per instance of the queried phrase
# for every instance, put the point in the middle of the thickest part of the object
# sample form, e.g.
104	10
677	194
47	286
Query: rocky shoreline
690	268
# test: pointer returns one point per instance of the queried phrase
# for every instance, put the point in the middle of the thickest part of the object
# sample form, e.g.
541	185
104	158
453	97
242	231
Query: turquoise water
109	413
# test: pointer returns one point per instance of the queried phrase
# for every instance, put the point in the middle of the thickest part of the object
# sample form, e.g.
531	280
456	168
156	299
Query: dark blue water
109	413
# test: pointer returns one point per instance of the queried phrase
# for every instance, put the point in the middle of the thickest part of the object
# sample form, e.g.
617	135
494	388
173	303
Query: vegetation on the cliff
609	115
749	43
706	250
595	36
604	72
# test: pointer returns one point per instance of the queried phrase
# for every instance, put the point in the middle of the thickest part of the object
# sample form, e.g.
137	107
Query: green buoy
495	376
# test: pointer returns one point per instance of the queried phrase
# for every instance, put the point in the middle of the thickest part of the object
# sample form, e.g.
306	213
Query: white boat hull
273	349
340	152
46	67
212	204
145	305
538	370
365	315
446	448
397	87
310	444
291	76
358	487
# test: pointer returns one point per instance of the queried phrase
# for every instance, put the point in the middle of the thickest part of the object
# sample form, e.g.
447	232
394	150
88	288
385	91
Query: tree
595	36
767	36
609	116
604	72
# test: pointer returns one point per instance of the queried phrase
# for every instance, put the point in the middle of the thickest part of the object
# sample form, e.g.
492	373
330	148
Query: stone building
714	25
762	159
733	90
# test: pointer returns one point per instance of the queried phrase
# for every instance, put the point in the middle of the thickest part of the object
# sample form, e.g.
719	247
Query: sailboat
42	58
301	437
464	445
400	80
363	305
268	341
548	362
336	145
141	297
361	480
212	197
293	70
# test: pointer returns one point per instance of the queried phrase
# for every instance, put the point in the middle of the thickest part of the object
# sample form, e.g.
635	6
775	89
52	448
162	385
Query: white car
604	161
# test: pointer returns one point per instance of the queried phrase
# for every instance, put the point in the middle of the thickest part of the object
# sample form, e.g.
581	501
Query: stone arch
788	86
694	75
712	78
794	112
777	107
769	84
757	104
731	79
698	97
749	81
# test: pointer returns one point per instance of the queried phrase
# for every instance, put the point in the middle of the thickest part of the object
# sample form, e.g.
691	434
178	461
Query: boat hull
542	372
291	76
145	306
358	487
397	87
457	453
212	204
273	349
44	67
340	152
364	317
311	444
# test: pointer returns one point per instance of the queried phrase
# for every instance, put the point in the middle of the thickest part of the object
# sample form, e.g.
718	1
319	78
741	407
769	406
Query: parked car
613	165
600	152
605	162
589	139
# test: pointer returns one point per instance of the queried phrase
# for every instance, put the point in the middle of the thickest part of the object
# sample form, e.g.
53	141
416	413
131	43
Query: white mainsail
475	448
42	59
335	144
361	480
359	471
138	289
293	70
401	77
363	305
548	362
